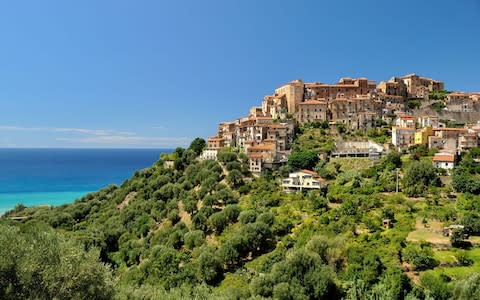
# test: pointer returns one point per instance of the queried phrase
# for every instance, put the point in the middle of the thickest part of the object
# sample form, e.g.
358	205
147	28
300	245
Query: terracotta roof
444	157
324	85
261	147
277	126
450	129
313	102
407	118
215	138
310	172
255	155
459	94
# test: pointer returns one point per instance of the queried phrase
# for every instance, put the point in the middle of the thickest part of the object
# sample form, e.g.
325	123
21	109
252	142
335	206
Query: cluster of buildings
462	102
428	131
265	135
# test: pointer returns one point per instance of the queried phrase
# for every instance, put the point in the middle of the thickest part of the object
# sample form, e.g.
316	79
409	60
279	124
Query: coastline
9	200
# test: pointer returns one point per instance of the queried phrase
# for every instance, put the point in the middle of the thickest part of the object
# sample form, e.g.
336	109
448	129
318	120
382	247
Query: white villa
304	179
209	154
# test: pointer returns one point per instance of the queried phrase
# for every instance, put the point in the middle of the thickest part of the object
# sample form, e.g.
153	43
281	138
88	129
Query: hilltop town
416	111
326	191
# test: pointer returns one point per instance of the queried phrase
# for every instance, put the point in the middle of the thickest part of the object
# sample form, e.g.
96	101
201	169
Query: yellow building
421	135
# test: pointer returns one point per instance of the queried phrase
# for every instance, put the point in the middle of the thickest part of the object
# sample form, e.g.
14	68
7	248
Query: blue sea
59	176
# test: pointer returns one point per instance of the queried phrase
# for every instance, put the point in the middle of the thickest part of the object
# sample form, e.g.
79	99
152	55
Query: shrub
194	239
420	256
218	221
248	216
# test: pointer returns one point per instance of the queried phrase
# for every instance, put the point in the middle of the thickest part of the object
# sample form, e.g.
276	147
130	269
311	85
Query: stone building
459	102
393	87
419	87
345	88
311	111
293	93
215	142
275	106
261	156
467	141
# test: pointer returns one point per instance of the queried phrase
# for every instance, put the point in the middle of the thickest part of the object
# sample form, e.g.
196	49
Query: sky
156	74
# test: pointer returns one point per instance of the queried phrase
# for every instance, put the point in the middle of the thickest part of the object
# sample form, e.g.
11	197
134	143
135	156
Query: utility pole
397	181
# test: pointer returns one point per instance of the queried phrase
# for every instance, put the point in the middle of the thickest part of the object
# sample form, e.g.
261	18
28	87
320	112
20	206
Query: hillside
209	230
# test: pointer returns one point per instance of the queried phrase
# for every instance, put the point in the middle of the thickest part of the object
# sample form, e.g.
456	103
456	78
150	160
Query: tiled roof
309	172
261	147
444	157
450	129
313	102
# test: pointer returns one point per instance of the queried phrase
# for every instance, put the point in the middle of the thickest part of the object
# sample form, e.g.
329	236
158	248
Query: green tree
419	176
209	267
248	216
233	165
225	157
235	178
420	256
197	145
38	263
199	221
467	288
301	276
231	212
303	160
218	221
194	238
436	287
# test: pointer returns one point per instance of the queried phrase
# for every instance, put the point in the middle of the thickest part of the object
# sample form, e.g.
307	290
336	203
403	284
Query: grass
432	233
459	272
445	256
233	283
316	139
357	163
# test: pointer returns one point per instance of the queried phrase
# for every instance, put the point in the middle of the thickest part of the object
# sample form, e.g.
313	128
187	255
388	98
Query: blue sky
158	73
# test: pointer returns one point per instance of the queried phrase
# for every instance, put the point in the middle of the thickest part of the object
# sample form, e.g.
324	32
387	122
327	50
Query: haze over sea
59	176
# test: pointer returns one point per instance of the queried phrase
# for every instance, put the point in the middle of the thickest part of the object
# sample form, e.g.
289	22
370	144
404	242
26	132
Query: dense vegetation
210	230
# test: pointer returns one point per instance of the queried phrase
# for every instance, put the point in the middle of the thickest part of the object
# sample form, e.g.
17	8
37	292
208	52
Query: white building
209	154
304	179
444	160
405	122
402	136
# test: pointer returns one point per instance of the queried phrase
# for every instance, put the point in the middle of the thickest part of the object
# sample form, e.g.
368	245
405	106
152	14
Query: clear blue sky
157	73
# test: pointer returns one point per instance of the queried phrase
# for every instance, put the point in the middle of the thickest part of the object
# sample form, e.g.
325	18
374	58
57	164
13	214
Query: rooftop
312	102
448	157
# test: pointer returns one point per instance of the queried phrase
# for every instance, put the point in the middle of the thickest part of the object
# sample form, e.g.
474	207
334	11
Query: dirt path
185	217
127	200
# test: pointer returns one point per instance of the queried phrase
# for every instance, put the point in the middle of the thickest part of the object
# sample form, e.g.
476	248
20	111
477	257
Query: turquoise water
8	201
58	176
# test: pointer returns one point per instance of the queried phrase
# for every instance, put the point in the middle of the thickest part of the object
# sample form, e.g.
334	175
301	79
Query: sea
57	176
